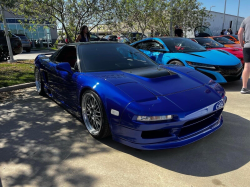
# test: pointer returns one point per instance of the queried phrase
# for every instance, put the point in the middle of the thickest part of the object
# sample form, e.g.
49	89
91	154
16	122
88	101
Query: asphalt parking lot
41	144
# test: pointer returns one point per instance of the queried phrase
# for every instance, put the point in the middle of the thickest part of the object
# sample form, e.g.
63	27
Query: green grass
16	73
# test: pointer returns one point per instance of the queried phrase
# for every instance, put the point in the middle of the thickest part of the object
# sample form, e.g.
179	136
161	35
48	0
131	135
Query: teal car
219	65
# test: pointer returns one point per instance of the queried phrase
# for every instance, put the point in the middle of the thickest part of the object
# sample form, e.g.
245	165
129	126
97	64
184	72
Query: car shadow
225	150
38	143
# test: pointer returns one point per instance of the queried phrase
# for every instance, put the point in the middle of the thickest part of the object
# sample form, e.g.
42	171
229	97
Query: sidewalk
42	49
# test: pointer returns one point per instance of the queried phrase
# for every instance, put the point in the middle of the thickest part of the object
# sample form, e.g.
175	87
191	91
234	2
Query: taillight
118	38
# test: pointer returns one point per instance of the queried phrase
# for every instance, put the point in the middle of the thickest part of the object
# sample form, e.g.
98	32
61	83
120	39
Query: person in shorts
245	28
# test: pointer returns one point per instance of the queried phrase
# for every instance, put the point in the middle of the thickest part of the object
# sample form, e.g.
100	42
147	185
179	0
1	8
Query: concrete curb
17	87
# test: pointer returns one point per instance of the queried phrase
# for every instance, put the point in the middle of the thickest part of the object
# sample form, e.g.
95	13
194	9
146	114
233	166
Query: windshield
182	45
111	57
236	37
208	43
202	31
223	40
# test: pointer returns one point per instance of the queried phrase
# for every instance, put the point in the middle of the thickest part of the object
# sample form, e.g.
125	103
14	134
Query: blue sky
231	8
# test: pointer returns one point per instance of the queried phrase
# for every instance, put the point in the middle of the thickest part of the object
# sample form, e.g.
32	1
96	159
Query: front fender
112	98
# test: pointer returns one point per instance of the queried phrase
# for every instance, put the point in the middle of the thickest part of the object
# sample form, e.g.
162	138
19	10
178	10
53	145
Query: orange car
224	41
233	38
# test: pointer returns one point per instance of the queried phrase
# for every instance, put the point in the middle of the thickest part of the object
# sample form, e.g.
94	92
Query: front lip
177	143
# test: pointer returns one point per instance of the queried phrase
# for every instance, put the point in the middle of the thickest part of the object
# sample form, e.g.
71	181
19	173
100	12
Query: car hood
235	51
211	57
157	80
146	84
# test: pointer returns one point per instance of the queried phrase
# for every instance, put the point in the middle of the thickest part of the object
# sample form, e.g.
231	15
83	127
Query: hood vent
196	55
149	72
223	52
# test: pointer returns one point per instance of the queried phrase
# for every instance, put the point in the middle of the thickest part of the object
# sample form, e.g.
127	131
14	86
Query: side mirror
64	66
153	58
158	50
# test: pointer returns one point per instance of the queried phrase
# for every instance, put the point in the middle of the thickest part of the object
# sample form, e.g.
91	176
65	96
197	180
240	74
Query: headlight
200	65
154	118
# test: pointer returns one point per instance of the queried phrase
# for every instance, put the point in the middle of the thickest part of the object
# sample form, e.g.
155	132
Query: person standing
245	27
84	35
178	32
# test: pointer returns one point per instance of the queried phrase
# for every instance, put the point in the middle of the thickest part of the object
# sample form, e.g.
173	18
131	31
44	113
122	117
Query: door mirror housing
158	50
153	58
64	66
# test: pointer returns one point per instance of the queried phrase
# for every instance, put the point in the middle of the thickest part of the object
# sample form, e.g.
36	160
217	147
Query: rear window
23	37
223	40
209	43
111	57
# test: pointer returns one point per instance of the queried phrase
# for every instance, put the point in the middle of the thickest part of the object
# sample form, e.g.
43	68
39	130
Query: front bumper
173	144
187	129
218	77
26	45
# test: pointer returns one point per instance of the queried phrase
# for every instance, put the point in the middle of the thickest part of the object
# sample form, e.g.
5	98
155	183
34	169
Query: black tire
28	50
39	83
94	116
176	62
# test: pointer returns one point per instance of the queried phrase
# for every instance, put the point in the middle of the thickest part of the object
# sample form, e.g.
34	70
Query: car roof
94	42
20	34
164	37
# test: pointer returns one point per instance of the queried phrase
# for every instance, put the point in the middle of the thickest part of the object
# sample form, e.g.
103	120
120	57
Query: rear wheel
94	116
39	83
176	62
28	50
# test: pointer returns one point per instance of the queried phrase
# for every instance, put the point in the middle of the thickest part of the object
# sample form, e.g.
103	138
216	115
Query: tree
71	14
155	15
134	15
6	4
189	14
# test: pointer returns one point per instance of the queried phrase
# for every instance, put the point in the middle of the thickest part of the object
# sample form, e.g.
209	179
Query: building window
12	28
8	20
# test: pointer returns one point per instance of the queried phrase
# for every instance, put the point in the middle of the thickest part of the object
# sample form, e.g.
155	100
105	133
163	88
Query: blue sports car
219	65
117	90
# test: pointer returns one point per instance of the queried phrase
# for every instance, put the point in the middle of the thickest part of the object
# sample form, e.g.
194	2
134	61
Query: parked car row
26	43
219	65
16	45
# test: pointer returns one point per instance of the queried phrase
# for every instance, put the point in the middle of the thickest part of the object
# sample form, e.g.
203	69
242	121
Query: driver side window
151	44
68	54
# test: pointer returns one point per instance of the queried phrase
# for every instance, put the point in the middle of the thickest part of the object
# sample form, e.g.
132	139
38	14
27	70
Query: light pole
238	16
224	14
211	8
171	29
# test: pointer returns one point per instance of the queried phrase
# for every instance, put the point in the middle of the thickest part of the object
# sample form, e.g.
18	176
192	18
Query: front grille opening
199	123
209	75
232	78
156	134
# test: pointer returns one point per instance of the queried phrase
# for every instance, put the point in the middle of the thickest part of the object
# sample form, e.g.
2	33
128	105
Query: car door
65	83
144	47
147	45
156	56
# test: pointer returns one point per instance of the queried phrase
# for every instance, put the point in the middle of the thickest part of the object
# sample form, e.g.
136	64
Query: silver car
25	42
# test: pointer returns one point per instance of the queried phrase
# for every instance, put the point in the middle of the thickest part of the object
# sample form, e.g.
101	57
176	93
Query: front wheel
94	116
176	62
39	83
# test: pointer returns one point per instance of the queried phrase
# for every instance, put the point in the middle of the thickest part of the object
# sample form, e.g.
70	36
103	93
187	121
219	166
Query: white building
216	23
